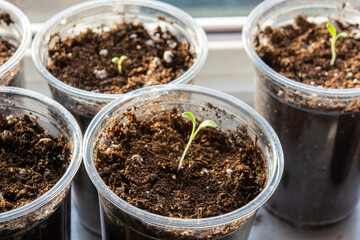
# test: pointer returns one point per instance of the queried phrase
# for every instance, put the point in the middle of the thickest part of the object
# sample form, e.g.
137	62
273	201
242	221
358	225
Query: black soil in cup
320	135
32	161
55	226
84	192
83	119
119	224
138	160
321	181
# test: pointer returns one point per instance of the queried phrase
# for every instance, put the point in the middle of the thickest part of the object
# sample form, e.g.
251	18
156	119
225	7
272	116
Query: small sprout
119	61
333	40
206	123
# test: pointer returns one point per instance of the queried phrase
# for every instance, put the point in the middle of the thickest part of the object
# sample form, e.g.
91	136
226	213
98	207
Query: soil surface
31	161
302	52
138	159
7	50
85	61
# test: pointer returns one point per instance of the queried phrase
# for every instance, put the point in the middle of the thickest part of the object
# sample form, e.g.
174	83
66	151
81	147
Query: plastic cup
319	128
122	220
84	104
17	33
47	217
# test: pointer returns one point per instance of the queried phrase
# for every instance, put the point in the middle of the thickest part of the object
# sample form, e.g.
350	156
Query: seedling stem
333	40
119	62
206	123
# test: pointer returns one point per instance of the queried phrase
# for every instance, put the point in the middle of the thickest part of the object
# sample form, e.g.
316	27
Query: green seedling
333	40
206	123
119	61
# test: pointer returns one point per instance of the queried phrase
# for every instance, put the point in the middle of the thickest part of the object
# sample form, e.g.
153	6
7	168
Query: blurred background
41	10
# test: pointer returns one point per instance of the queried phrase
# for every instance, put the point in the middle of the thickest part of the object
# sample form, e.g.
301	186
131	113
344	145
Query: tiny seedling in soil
119	61
333	40
206	123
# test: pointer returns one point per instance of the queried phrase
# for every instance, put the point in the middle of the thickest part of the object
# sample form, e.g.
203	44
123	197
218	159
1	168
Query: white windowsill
210	24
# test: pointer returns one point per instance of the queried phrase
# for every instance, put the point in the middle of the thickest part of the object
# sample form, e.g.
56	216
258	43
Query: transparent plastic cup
121	220
47	217
17	33
84	104
319	128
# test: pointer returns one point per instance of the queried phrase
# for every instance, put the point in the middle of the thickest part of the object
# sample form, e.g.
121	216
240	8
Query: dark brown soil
4	16
31	161
138	159
302	52
7	50
85	60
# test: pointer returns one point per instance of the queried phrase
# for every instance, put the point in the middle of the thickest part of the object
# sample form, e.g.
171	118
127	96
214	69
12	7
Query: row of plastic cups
119	216
264	13
84	106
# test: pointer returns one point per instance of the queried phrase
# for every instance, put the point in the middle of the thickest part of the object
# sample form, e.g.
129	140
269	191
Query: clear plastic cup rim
268	71
178	13
75	162
26	36
155	219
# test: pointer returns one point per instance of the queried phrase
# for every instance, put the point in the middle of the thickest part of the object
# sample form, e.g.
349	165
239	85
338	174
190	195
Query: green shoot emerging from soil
333	40
119	61
206	123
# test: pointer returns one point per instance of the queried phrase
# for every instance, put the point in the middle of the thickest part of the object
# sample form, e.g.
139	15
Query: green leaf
331	29
343	34
115	59
207	123
190	116
123	58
